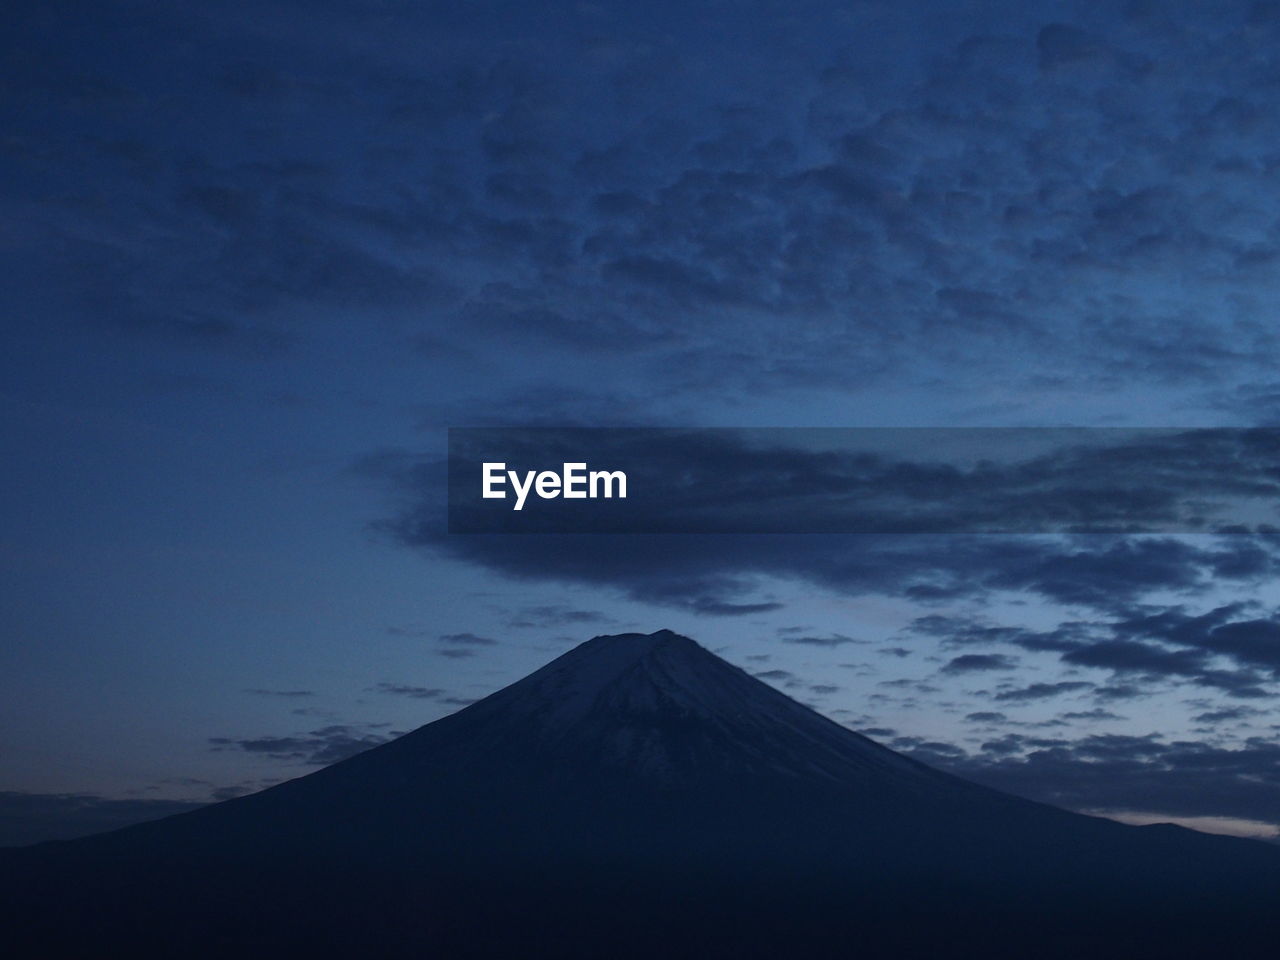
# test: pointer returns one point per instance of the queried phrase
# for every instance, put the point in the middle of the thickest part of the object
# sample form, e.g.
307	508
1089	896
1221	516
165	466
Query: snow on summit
661	704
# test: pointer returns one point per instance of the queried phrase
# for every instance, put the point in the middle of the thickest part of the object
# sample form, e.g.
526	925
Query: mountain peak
641	641
568	687
620	649
660	704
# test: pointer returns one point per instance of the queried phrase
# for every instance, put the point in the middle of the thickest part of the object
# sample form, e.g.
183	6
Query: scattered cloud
1041	691
318	747
407	690
976	662
466	639
831	640
1118	773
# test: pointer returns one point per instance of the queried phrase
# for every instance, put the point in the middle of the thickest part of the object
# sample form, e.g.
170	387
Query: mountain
639	797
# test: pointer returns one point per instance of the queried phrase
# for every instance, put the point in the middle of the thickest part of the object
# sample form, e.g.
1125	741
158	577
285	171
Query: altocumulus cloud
825	170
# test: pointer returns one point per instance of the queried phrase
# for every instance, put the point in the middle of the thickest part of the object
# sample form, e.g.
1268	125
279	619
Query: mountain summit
661	707
639	796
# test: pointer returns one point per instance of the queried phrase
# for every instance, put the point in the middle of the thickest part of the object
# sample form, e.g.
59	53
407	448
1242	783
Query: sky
257	258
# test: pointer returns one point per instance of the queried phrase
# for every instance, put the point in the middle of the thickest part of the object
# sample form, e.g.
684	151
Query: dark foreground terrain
639	797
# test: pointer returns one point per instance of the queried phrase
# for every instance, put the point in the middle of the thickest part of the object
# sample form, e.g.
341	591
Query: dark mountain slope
639	796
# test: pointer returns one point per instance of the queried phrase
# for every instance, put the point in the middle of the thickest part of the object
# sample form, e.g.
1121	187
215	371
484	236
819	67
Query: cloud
811	488
1227	714
466	639
975	662
966	630
999	199
1041	691
833	640
715	574
319	747
407	690
1141	774
1126	656
1121	691
775	675
1214	649
711	607
1097	713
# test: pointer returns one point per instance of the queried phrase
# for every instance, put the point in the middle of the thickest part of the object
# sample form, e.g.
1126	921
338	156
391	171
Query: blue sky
258	257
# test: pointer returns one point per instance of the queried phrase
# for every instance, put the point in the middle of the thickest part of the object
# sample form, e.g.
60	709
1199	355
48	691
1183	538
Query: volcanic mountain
640	797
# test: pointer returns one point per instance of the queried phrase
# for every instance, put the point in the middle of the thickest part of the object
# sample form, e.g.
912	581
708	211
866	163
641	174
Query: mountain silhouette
640	797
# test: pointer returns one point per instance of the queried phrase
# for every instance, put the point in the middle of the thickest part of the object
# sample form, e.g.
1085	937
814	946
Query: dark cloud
711	607
315	748
1014	193
964	631
716	575
833	640
1211	649
1041	691
1227	714
1097	713
1251	642
1173	643
713	573
455	645
1120	691
466	640
986	716
932	752
1147	774
407	690
775	675
976	662
909	683
1125	656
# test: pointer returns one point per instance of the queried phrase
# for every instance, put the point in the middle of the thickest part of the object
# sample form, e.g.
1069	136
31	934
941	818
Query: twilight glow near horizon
257	259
